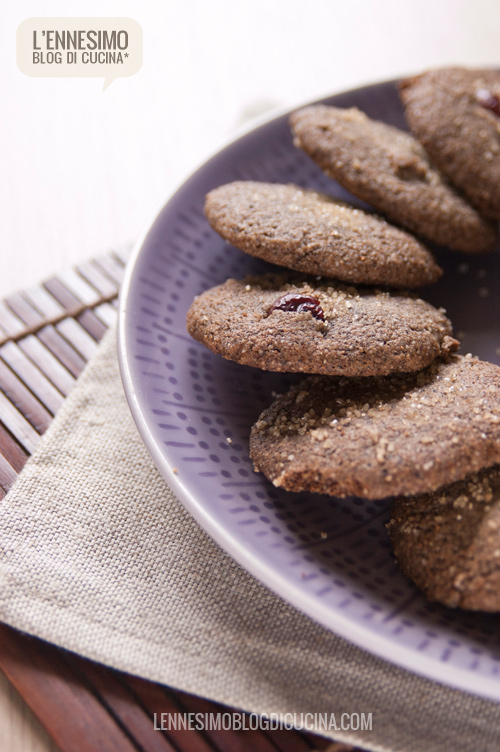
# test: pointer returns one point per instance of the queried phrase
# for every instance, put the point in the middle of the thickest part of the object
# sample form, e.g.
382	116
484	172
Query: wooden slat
107	289
22	308
227	740
62	350
68	709
92	324
58	345
22	405
107	313
53	369
80	339
154	699
79	287
122	254
60	292
21	397
112	267
287	740
122	704
7	474
32	376
98	279
9	323
55	305
69	327
48	306
18	425
20	730
320	744
12	451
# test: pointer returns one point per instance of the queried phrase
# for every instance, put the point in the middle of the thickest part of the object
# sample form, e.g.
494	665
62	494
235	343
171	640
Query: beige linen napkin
98	556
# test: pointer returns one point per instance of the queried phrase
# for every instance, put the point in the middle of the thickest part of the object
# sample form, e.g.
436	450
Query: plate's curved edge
380	646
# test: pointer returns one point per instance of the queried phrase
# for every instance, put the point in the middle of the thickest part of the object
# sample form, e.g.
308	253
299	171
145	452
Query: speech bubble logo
106	48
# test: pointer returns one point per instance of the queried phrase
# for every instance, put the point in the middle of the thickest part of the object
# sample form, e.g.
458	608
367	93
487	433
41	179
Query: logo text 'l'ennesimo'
106	48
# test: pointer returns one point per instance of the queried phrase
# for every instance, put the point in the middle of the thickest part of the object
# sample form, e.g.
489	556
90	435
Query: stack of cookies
388	408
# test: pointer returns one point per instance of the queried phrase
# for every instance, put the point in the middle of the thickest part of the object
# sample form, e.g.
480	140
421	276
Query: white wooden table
82	171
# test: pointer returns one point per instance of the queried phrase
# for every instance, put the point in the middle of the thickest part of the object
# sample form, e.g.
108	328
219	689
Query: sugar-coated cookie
293	323
455	113
310	232
448	542
399	435
390	170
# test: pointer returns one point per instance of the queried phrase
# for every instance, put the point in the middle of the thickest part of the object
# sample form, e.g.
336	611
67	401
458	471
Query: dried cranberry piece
293	301
488	100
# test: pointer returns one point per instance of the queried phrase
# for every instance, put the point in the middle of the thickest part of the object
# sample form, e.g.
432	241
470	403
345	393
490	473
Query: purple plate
329	557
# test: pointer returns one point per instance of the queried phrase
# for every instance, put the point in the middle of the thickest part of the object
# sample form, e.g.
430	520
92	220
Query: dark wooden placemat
47	334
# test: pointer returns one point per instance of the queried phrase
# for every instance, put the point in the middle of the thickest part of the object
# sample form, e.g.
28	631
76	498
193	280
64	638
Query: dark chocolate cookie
312	233
455	113
399	435
448	542
287	323
389	169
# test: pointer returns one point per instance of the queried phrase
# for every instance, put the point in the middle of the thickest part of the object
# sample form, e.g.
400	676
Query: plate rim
378	645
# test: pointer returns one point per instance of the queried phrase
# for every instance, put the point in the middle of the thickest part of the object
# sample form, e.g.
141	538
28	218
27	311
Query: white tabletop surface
83	171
